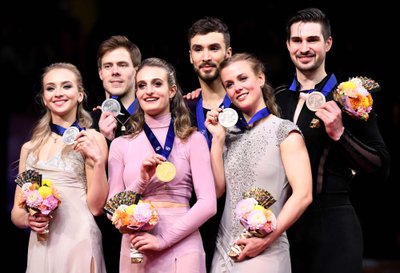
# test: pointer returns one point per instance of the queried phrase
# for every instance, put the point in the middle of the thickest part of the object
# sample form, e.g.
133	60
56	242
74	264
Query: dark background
37	33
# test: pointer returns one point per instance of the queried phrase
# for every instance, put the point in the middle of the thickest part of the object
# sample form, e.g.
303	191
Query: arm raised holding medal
117	61
71	186
331	115
342	142
165	160
148	170
260	151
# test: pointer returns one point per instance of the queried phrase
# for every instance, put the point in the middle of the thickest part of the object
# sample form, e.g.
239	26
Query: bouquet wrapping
129	214
355	97
255	216
38	196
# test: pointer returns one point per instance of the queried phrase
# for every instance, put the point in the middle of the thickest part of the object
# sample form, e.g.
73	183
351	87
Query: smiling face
206	53
118	73
153	90
307	47
243	86
61	93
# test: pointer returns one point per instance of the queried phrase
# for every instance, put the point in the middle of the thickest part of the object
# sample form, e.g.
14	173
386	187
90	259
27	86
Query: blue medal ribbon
243	124
132	108
326	88
201	119
169	142
59	130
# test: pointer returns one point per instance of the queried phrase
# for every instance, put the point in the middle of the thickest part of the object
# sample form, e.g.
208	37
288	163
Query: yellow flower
130	209
349	88
258	207
44	191
349	85
370	100
47	183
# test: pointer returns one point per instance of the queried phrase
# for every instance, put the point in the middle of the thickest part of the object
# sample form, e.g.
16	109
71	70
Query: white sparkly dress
252	159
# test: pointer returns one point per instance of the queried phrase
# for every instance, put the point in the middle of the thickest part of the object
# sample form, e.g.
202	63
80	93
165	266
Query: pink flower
33	199
51	203
256	219
39	196
355	98
245	206
142	212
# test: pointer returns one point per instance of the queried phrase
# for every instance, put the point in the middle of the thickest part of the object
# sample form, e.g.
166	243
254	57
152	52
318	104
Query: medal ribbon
59	130
243	124
132	108
326	88
201	119
169	142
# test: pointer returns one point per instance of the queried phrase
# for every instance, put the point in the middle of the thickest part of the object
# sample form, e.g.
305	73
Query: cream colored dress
74	239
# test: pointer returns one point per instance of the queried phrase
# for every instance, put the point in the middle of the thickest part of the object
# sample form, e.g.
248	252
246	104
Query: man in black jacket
328	236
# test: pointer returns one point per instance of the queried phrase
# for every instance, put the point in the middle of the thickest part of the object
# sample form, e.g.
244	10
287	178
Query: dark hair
313	15
206	25
257	67
179	110
118	41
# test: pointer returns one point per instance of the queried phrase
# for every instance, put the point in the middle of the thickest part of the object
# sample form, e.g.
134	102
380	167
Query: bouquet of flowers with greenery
130	214
38	196
255	216
355	97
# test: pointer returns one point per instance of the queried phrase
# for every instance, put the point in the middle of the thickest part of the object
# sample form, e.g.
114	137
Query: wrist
339	135
27	221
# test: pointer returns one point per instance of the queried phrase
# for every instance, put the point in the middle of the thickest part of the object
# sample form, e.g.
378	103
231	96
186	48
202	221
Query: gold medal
165	171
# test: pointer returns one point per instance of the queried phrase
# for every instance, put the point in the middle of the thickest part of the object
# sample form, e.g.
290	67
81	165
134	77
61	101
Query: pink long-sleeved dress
177	229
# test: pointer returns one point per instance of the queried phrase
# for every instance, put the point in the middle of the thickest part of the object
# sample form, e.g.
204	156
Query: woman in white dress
78	173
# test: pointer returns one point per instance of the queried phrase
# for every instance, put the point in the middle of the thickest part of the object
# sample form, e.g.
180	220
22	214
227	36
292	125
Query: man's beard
209	77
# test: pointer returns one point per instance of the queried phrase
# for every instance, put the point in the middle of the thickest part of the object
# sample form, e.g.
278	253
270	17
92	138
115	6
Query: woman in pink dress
161	131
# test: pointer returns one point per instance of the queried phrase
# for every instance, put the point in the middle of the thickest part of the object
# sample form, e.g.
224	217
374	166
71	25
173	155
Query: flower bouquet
129	214
38	196
255	216
355	96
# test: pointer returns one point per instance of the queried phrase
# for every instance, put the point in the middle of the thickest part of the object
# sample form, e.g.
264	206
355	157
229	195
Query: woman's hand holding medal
155	165
85	143
214	125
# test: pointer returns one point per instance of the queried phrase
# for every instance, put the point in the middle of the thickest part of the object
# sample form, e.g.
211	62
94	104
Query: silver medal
69	135
228	117
315	100
111	105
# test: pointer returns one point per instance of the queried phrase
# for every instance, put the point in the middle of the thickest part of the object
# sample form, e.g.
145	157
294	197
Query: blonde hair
42	130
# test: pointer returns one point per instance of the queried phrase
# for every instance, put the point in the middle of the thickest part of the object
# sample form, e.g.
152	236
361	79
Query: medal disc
111	105
165	171
228	117
315	100
69	135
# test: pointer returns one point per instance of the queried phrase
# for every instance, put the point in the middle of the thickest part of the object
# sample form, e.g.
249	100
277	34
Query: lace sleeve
366	158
